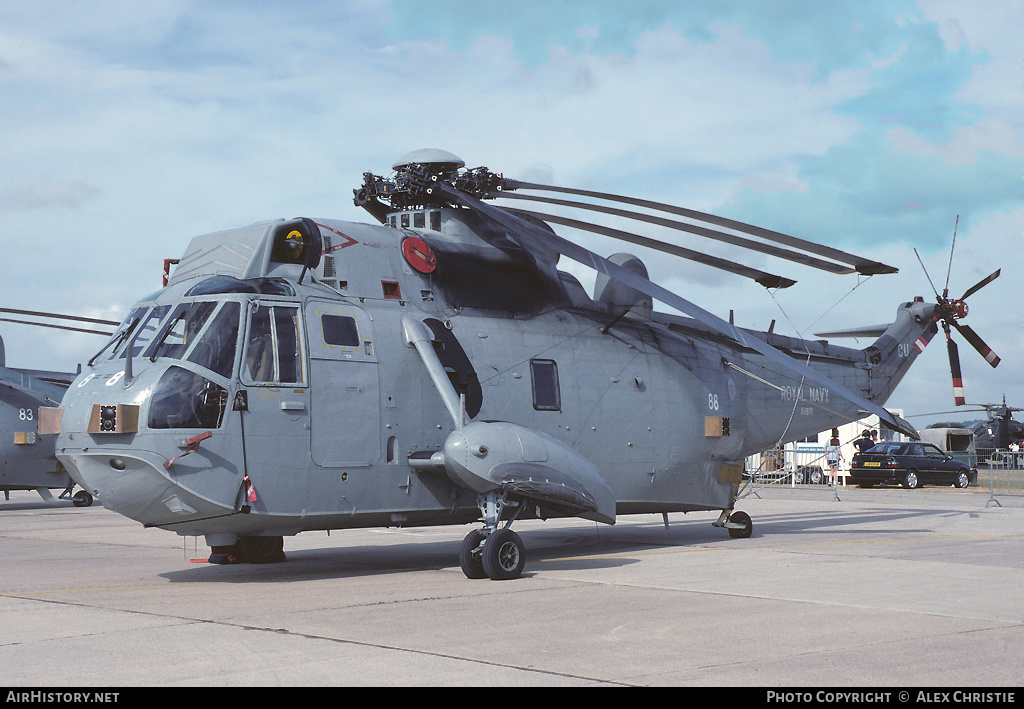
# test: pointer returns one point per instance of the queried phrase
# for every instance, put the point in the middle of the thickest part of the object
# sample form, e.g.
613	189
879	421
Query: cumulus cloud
130	128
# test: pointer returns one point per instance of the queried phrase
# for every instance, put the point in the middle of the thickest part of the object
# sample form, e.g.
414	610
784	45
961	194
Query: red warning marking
349	241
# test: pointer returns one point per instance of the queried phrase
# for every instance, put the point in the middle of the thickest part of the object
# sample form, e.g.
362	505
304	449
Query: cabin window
419	220
544	373
274	347
435	221
340	330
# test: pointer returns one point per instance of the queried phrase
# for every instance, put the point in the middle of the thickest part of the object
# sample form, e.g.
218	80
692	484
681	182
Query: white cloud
130	128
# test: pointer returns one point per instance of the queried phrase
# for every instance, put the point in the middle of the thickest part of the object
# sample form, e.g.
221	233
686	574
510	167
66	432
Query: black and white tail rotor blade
981	284
977	343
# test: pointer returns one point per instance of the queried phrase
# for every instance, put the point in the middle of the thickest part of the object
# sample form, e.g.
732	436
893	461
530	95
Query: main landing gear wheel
470	558
744	531
503	555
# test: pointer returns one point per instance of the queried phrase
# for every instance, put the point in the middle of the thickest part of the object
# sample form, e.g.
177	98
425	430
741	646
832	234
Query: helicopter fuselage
262	400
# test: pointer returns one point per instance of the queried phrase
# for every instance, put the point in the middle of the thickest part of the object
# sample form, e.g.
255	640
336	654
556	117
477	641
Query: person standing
833	454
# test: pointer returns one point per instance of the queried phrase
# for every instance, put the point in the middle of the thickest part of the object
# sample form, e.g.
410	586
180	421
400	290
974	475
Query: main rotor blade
981	284
954	370
691	228
862	265
56	315
534	236
768	280
57	327
977	343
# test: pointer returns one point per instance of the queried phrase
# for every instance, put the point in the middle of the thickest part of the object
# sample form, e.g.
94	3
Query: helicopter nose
129	484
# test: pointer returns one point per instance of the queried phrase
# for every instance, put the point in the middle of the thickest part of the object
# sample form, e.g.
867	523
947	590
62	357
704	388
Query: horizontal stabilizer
866	331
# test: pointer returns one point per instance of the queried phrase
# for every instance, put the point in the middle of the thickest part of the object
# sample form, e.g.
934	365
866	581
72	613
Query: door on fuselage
345	388
275	408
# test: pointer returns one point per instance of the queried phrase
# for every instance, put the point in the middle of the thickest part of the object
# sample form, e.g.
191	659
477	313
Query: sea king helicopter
438	368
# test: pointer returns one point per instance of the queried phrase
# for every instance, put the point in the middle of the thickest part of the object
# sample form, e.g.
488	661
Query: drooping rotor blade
534	237
954	370
768	280
981	284
861	265
693	229
977	343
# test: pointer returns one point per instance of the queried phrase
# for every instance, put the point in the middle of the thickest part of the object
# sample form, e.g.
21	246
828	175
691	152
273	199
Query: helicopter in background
27	460
438	368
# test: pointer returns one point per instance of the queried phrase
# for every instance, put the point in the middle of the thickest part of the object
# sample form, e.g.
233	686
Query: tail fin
898	347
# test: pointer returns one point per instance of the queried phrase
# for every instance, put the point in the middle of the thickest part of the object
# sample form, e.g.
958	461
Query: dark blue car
911	465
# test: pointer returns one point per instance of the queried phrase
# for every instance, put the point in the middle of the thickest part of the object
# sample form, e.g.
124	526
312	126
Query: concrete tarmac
883	588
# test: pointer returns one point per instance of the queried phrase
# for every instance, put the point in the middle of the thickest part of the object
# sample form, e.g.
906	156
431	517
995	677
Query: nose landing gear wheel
503	555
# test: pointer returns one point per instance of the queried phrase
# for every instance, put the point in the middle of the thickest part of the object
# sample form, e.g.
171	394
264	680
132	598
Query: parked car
911	465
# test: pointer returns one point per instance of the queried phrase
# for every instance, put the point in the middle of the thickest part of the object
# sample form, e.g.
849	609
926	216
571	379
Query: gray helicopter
438	368
27	460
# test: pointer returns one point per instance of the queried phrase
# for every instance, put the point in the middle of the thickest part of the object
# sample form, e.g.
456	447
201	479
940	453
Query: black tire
746	530
262	550
470	559
81	499
503	555
910	480
963	479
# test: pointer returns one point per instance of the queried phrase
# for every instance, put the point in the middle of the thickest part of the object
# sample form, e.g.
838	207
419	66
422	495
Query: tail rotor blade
981	284
954	369
977	343
926	273
949	269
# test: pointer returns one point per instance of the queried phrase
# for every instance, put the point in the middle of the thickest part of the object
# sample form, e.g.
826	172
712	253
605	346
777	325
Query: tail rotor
949	313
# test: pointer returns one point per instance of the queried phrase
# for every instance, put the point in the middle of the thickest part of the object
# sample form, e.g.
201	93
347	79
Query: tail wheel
747	528
503	555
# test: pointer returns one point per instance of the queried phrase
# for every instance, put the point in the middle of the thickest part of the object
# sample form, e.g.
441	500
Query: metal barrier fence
794	464
1005	474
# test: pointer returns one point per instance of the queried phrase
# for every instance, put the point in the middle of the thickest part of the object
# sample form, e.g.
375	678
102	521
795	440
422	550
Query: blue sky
131	127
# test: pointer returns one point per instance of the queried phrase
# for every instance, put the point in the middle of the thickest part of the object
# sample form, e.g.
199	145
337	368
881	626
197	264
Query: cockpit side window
274	346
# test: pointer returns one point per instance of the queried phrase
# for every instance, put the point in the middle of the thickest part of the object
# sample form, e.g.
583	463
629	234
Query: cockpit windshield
201	332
